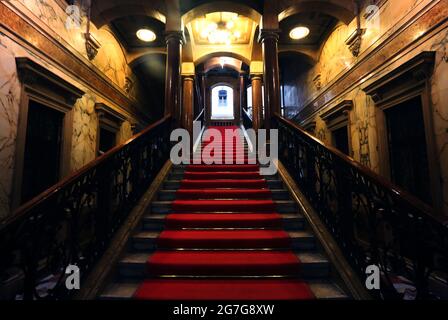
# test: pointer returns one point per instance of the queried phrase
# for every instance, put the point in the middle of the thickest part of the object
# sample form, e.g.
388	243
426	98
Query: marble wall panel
335	60
110	61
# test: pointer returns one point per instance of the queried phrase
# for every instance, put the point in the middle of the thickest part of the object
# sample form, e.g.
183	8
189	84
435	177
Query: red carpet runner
220	211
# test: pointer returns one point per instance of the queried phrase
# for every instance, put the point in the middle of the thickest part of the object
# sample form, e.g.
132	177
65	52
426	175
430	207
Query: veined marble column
174	40
257	103
269	40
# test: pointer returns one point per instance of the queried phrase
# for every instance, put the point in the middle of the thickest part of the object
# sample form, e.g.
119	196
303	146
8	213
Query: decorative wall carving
364	152
317	82
128	85
92	46
354	42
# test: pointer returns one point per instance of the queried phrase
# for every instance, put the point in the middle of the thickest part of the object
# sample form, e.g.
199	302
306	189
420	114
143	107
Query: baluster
344	191
105	184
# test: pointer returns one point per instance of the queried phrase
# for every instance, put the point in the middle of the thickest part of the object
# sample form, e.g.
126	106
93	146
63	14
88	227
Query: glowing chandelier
222	32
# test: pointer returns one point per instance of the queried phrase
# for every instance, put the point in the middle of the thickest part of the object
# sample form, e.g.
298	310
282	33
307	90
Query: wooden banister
72	222
373	221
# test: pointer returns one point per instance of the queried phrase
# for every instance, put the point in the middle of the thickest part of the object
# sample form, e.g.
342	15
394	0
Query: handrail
72	222
200	116
247	114
367	171
247	119
373	221
199	95
23	209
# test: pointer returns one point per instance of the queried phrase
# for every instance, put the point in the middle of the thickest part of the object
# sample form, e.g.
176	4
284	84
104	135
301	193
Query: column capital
188	77
188	69
175	36
256	76
269	34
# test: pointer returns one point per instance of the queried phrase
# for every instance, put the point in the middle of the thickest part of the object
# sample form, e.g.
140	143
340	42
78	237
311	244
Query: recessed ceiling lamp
299	33
146	35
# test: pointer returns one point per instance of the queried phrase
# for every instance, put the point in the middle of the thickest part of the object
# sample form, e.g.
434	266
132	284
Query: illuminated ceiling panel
222	28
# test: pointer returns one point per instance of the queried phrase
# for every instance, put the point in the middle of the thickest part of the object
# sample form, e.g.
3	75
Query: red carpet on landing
223	289
252	263
224	219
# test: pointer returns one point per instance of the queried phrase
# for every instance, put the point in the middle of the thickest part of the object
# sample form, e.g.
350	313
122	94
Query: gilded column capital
175	36
266	34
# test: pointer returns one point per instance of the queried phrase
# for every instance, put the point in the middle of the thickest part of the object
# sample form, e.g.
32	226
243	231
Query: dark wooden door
408	149
42	150
340	139
107	140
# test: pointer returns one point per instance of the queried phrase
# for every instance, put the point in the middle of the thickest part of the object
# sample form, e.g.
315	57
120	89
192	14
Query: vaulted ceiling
320	25
126	27
125	17
221	32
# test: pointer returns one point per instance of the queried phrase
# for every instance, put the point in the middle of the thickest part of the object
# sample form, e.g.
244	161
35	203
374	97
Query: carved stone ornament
128	85
354	41
92	46
318	82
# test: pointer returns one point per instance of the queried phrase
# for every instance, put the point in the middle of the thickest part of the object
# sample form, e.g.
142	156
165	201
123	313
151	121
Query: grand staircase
223	232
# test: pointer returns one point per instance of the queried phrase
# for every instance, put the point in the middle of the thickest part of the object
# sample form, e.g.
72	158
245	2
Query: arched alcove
222	102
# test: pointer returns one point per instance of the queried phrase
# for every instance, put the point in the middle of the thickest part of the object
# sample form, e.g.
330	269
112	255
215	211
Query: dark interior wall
293	78
151	72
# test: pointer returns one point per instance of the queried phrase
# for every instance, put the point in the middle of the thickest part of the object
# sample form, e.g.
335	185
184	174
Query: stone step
312	266
156	222
178	175
147	241
170	195
322	290
175	184
184	166
283	206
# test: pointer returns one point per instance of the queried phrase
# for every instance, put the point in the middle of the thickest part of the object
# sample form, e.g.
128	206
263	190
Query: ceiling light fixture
146	35
222	32
299	33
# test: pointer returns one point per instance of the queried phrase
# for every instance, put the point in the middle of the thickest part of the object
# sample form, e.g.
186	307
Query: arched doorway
222	103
